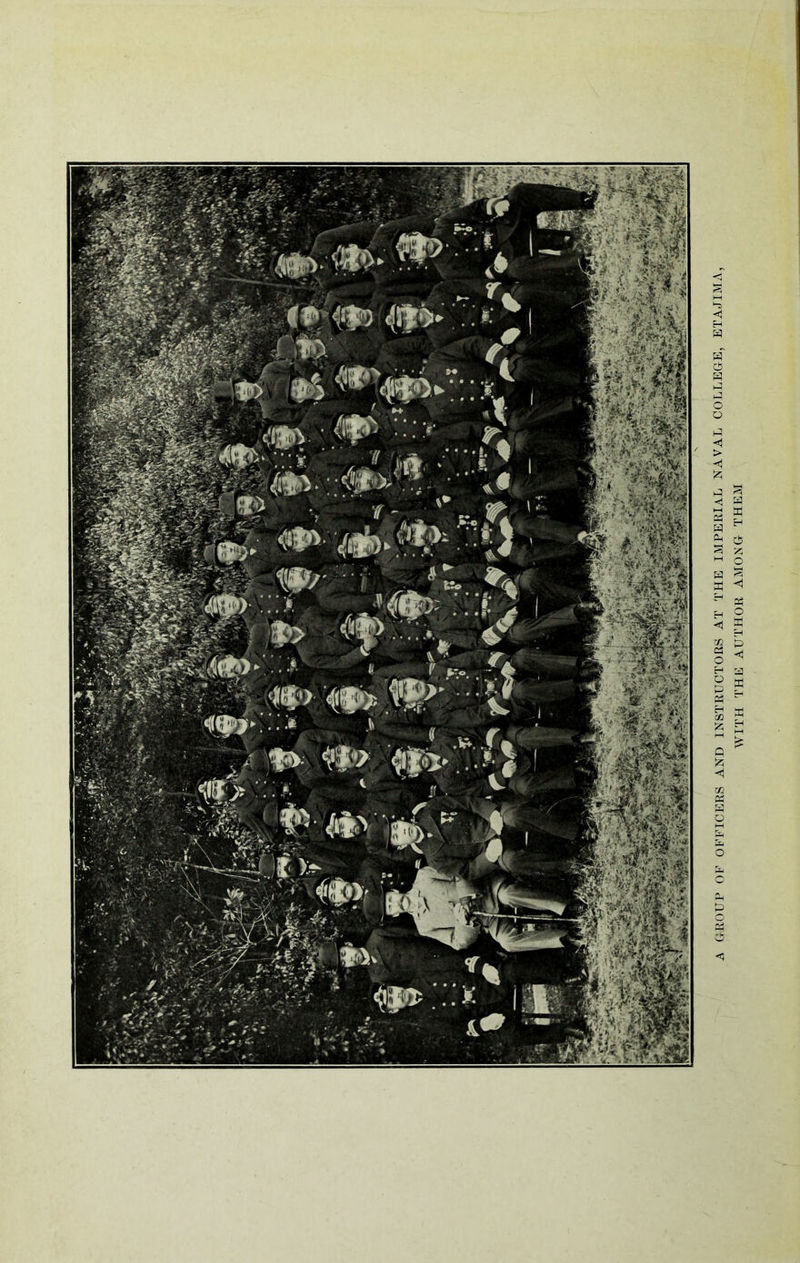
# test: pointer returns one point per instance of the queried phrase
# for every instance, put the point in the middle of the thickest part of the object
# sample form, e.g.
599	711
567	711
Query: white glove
494	849
492	1022
492	975
500	262
510	303
505	371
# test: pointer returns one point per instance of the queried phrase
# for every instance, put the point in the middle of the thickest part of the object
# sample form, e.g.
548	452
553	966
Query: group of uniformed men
414	689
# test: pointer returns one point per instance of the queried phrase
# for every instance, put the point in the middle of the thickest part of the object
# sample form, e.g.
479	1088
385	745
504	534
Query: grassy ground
638	885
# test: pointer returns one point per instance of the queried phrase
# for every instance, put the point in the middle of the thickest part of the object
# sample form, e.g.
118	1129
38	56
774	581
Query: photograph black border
392	1066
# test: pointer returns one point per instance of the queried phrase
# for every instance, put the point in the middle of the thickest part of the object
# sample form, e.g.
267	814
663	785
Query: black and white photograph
380	614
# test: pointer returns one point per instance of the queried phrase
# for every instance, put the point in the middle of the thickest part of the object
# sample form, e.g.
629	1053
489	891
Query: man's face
411	691
225	725
308	348
344	758
238	455
355	376
411	761
351	258
405	389
359	626
415	247
340	892
286	483
421	534
403	833
229	667
349	316
282	437
347	699
293	266
412	466
245	391
228	552
247	505
404	318
354	427
410	605
281	634
286	867
302	391
280	760
294	539
360	545
344	825
217	790
290	696
349	956
296	578
226	605
408	318
290	819
395	903
361	480
308	317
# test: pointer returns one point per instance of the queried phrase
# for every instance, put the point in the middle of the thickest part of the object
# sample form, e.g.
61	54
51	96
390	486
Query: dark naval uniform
462	383
450	996
468	457
264	552
324	648
474	605
265	601
455	834
348	285
398	955
356	346
266	726
345	588
261	659
313	771
318	714
402	423
471	763
470	691
472	235
461	308
389	272
257	789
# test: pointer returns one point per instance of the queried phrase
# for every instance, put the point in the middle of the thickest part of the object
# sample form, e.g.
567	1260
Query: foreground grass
638	885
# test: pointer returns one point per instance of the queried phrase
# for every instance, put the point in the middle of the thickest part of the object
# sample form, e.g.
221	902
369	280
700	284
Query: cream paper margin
663	1164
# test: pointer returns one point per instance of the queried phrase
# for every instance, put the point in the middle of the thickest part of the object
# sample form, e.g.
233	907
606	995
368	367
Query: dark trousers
522	815
525	783
538	526
534	692
534	199
546	446
539	736
527	630
543	479
543	372
551	593
557	416
555	666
